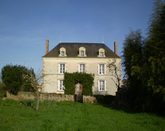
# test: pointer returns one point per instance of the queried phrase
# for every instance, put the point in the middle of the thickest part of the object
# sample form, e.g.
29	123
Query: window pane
60	85
82	53
62	68
62	53
82	68
101	85
101	69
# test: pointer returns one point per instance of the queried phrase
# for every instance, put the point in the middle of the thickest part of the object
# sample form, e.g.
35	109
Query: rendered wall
51	75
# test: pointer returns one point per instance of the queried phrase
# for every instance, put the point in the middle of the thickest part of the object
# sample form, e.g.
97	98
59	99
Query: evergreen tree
154	66
132	54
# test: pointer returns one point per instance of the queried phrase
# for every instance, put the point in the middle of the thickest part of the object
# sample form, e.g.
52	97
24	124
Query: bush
12	77
106	100
2	90
85	79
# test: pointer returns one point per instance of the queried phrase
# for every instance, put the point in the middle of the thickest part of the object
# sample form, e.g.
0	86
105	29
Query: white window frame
82	52
81	68
62	52
101	69
60	85
101	52
62	68
101	85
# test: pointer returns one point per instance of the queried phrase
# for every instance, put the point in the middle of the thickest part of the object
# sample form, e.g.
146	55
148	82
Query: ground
70	116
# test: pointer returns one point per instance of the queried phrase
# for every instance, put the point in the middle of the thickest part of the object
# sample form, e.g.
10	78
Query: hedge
70	80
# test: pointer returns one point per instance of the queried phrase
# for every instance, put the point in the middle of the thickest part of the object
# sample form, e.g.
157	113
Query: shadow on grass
29	103
113	103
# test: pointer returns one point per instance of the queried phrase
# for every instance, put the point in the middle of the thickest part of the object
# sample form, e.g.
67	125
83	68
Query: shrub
12	77
85	79
2	90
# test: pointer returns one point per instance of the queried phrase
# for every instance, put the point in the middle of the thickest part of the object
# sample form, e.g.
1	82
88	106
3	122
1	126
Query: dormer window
82	52
101	52
62	51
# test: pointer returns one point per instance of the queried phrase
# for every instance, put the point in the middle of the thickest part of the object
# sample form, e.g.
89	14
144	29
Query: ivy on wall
85	79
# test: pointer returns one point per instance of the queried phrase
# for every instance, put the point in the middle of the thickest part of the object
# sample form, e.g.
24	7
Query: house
80	57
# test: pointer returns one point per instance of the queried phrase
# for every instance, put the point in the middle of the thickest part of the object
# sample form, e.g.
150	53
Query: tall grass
70	116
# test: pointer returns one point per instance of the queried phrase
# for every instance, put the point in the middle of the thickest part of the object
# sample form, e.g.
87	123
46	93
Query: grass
70	116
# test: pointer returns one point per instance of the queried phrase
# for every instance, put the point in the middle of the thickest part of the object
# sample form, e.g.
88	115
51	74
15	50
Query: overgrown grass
70	116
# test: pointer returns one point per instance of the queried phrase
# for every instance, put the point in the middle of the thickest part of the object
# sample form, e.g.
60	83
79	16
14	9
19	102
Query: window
101	52
82	68
102	85
82	52
60	85
62	51
101	69
61	68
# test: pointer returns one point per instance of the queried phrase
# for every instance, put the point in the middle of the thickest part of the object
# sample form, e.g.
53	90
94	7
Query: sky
26	24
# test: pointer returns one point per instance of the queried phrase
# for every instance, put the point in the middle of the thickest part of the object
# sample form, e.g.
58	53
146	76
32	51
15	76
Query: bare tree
37	85
115	72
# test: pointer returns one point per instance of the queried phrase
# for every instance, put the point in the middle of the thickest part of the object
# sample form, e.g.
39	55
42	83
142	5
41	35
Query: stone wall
48	96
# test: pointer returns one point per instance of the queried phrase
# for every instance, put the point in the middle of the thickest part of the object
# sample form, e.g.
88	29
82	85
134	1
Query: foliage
145	65
115	72
85	79
36	85
154	50
72	116
2	89
12	77
133	67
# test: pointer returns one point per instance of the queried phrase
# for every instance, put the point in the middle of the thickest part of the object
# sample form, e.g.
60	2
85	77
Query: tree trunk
37	100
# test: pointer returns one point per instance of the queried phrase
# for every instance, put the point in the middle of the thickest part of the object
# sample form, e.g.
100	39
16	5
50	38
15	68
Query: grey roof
72	50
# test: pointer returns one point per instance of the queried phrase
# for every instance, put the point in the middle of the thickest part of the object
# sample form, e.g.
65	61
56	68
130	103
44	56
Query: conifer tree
132	54
154	50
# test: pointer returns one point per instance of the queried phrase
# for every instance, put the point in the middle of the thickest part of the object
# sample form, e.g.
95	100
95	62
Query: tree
132	61
154	50
12	78
37	85
145	64
115	72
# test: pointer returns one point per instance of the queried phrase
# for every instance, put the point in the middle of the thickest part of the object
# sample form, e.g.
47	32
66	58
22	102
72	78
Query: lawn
70	116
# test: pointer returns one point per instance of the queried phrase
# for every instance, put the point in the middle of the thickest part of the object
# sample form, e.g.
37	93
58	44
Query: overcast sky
26	24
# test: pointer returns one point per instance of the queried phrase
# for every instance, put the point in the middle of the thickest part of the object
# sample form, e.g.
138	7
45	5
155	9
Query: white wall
50	70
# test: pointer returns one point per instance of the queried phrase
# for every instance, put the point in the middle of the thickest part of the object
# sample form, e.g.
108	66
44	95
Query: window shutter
98	85
78	67
105	82
98	68
104	68
65	68
58	84
59	68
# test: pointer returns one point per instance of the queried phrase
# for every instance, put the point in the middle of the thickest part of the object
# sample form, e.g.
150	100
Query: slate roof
72	50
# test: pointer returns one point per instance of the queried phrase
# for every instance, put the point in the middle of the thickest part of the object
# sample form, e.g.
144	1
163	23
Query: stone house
91	58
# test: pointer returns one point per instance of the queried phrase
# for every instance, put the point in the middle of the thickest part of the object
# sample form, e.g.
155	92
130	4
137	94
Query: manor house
92	58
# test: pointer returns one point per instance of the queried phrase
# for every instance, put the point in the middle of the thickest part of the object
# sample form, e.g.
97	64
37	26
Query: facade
91	58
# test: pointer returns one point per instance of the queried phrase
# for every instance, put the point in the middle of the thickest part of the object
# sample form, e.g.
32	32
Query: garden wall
48	96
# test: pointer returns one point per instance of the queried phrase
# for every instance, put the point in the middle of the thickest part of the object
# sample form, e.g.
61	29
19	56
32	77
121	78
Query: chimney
116	47
46	46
